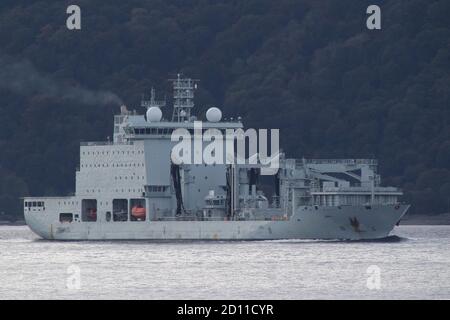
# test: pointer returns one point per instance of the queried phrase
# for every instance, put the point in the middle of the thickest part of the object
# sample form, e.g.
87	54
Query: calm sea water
414	264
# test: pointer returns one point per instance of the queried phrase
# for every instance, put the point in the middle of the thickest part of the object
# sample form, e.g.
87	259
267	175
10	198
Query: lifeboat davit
138	212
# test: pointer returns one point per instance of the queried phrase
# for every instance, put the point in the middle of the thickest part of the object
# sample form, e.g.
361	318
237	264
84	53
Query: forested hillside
308	67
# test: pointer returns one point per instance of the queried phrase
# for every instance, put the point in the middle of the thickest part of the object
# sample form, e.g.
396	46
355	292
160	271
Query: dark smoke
22	77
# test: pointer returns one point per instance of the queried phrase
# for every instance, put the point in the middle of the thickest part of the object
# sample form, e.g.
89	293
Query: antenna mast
183	98
152	102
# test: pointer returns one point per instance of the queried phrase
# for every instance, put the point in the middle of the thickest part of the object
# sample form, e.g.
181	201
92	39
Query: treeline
310	68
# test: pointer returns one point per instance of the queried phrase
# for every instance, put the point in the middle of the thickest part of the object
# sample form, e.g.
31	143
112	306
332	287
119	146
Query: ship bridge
131	126
136	127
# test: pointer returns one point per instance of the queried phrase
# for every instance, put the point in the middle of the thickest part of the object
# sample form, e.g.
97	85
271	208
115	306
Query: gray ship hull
313	222
179	179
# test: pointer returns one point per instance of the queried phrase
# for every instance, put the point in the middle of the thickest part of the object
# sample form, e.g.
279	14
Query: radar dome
154	114
213	114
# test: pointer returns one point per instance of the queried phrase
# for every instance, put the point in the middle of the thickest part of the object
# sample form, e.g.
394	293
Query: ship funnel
124	110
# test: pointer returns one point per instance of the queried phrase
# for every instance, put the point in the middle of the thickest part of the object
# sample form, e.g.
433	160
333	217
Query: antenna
183	97
152	102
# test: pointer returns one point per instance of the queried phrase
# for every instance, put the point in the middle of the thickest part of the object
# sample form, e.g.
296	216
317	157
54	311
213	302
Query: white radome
213	114
154	114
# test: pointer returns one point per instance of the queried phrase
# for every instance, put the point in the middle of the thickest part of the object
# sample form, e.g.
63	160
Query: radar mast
183	98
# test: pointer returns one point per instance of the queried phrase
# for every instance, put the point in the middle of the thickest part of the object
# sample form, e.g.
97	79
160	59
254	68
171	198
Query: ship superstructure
130	188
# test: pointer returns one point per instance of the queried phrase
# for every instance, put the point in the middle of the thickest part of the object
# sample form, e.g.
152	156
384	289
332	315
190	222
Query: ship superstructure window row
157	188
117	190
353	199
151	131
131	177
113	165
129	190
30	204
164	131
68	202
112	152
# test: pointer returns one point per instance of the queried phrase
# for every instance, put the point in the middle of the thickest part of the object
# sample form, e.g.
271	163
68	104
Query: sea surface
414	263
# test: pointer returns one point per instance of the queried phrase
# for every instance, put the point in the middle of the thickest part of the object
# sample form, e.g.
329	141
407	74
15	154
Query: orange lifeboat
138	212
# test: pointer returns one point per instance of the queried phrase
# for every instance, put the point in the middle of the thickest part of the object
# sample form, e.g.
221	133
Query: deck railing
103	143
357	189
340	161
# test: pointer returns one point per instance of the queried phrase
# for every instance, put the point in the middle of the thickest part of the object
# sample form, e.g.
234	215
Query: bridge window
156	188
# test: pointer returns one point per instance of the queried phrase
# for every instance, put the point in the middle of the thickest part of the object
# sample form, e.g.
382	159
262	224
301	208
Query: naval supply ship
131	188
